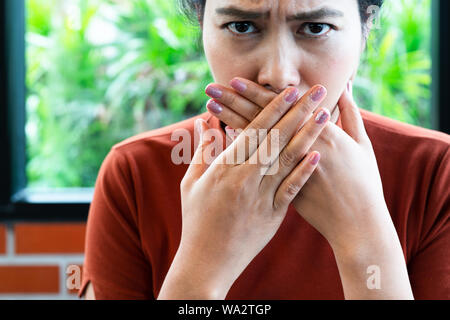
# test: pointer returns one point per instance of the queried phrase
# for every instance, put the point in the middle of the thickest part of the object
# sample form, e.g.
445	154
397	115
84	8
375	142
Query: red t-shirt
134	224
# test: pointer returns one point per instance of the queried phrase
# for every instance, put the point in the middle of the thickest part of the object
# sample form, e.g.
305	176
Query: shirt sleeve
114	260
429	269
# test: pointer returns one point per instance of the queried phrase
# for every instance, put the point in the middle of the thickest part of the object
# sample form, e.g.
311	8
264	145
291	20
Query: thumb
200	161
352	122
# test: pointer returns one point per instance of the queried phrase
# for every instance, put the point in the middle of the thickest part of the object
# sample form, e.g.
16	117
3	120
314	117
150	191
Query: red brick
29	279
73	291
52	238
2	239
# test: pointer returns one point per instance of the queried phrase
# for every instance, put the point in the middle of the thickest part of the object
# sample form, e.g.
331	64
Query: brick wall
41	260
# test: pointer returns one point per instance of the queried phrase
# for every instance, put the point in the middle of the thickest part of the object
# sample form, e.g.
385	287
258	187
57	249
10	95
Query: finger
292	185
226	115
287	127
200	161
253	92
296	150
352	122
260	95
268	117
234	101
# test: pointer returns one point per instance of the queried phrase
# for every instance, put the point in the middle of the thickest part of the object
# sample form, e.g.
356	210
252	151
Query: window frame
440	49
16	203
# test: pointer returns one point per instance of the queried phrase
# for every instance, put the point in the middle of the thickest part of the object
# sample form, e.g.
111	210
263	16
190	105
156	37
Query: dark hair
194	9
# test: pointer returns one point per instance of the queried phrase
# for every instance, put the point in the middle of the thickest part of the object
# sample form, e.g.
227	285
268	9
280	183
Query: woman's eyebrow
316	14
254	15
242	14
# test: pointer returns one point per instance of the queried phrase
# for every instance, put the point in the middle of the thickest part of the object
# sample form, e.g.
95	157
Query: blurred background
96	72
106	70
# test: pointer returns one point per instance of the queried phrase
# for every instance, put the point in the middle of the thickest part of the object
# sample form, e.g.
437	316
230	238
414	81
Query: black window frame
16	204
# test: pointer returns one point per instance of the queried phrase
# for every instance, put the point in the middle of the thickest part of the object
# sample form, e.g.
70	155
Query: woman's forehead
291	6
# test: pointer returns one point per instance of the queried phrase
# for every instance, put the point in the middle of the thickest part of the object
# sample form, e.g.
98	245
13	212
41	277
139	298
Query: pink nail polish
237	85
314	159
318	94
292	95
322	117
214	107
214	92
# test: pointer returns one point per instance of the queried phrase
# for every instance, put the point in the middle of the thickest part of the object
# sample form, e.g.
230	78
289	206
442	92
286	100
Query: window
98	72
395	73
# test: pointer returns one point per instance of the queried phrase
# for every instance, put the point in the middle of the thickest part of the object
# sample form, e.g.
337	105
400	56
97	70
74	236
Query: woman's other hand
344	197
231	211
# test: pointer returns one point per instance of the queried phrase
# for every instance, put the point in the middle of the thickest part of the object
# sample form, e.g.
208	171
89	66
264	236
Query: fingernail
292	95
238	85
318	94
214	92
322	117
314	159
214	107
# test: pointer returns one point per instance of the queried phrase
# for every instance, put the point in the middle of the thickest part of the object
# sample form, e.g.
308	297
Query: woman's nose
280	69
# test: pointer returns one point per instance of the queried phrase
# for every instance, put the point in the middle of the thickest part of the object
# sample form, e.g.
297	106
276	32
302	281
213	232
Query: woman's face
281	43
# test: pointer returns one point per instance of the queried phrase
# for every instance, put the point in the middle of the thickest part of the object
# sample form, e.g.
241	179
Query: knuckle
232	99
287	158
283	135
292	189
278	108
307	106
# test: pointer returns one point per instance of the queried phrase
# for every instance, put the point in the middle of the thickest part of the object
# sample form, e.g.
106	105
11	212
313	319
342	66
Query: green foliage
99	71
395	73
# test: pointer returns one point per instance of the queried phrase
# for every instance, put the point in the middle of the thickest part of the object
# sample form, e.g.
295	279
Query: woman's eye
316	29
241	27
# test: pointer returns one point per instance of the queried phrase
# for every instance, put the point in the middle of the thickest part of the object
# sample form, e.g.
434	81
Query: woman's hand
344	198
347	182
237	111
231	211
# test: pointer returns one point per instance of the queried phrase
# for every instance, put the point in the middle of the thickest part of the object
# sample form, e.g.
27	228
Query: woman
356	207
